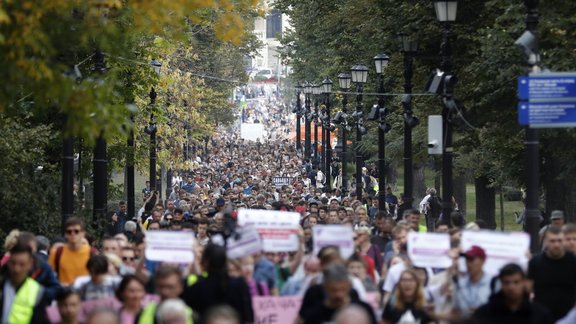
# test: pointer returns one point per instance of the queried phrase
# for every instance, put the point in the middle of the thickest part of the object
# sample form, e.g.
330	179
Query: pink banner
271	310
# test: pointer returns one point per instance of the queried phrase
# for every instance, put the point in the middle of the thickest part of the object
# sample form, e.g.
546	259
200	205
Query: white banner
501	248
341	236
429	250
278	229
252	132
170	246
247	242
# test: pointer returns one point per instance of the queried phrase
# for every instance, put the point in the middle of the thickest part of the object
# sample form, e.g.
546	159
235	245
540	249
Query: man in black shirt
337	288
512	303
553	275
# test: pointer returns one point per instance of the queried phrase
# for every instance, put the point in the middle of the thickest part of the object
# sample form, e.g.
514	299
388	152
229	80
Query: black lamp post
446	14
307	130
99	161
408	48
532	142
326	90
151	130
359	76
316	91
344	80
298	111
381	62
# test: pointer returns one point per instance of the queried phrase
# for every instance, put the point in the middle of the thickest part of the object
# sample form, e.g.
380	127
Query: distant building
267	30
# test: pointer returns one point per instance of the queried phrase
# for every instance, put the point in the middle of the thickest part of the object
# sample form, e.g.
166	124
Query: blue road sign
547	114
559	86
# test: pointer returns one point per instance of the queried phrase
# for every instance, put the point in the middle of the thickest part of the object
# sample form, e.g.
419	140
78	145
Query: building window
273	23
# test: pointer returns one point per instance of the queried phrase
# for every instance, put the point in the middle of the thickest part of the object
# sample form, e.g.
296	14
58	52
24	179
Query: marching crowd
40	273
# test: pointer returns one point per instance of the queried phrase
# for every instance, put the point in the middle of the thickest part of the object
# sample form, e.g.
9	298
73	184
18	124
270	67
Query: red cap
475	252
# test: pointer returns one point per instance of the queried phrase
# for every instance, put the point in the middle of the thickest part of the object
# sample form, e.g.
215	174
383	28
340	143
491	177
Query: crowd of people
38	272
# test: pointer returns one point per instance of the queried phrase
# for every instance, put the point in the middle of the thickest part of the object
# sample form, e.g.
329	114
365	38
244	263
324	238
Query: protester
552	274
130	293
22	297
69	260
407	304
512	303
337	288
473	289
69	305
217	287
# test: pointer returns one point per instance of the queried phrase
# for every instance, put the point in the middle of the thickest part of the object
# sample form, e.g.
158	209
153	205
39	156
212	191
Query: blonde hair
11	239
419	301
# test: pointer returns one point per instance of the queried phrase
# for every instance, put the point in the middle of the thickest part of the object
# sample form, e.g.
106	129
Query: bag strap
57	258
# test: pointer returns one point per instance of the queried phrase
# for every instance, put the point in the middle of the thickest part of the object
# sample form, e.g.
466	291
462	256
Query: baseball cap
557	214
475	252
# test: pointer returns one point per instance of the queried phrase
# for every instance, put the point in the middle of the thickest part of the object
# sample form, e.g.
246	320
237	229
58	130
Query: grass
510	207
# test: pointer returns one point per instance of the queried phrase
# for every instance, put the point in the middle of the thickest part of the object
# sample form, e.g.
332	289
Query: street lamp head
327	86
156	66
359	73
298	88
381	62
307	87
446	10
316	89
407	44
344	80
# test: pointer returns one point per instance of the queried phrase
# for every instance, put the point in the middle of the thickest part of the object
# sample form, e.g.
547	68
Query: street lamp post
316	90
298	116
307	130
532	142
381	62
99	161
359	76
446	14
408	48
326	90
151	130
344	80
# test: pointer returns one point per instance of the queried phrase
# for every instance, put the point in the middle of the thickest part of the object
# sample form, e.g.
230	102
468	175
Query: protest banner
275	309
278	229
429	249
246	242
170	246
501	248
281	181
341	236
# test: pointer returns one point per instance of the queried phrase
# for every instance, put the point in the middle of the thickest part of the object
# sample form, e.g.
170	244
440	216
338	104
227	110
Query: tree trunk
438	176
391	176
559	190
419	184
460	192
485	201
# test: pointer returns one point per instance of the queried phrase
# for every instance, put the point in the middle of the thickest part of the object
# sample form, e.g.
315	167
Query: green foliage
328	37
30	189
